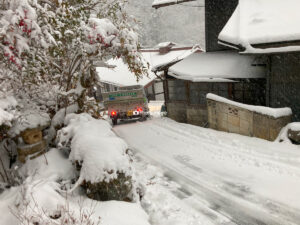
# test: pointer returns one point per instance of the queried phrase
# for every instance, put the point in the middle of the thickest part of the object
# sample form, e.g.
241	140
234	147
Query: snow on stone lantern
28	130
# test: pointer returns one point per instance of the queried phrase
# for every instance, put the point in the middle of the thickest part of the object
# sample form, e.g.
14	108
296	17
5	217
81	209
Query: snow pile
95	147
41	199
6	105
284	133
59	117
276	113
53	165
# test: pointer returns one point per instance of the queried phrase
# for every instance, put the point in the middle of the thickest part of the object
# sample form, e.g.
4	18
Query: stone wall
177	111
197	115
233	119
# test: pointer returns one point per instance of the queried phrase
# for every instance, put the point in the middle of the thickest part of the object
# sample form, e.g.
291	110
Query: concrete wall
233	119
217	13
197	115
284	79
177	111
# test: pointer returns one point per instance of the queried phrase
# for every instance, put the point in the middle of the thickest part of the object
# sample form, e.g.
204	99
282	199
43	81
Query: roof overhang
218	66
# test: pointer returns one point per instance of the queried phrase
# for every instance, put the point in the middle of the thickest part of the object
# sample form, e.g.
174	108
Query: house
224	73
270	29
218	70
162	56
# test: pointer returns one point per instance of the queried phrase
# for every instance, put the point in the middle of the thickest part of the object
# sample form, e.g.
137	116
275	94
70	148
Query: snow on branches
51	46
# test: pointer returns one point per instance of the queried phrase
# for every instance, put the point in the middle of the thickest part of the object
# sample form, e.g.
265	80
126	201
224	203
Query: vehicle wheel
144	118
114	121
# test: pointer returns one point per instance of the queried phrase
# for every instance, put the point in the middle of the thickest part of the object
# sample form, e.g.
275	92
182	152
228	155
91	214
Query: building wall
233	119
197	115
177	111
284	79
217	13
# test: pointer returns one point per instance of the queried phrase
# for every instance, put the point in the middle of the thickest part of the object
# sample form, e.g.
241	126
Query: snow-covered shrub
290	133
105	169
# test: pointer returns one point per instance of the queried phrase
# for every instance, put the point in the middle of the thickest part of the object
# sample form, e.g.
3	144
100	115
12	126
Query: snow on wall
273	112
260	22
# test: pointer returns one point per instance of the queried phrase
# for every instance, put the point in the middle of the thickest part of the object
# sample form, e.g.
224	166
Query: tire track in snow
225	200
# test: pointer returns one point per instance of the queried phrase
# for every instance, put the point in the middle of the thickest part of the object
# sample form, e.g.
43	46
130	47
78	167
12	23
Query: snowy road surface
225	178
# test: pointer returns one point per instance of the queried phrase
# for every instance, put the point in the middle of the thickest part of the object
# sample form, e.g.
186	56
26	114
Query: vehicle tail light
113	113
140	110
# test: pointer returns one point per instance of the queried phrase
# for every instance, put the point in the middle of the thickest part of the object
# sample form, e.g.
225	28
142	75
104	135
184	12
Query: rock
32	136
117	189
294	136
34	150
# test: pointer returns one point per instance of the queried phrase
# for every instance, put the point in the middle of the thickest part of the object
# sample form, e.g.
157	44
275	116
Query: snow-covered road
226	178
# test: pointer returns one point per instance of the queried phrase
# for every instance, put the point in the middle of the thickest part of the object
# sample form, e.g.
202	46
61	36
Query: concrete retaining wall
229	118
197	115
177	112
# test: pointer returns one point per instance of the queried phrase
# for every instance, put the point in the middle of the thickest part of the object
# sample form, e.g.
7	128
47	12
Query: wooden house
224	73
270	29
218	70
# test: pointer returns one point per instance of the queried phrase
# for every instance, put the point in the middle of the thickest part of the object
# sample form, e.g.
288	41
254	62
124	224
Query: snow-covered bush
105	169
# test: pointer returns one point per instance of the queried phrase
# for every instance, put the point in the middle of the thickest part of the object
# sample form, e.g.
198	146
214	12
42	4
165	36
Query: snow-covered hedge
99	153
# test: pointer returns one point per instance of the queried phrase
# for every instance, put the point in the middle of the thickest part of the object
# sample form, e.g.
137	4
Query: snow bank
101	154
284	133
53	166
276	113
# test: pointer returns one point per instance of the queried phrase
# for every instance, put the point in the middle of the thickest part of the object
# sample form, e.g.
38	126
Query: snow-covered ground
203	176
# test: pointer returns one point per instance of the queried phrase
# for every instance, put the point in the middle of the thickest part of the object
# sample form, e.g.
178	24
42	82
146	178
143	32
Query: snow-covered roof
122	76
216	67
262	22
158	60
161	3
